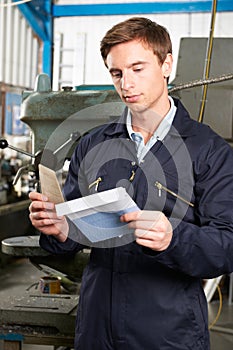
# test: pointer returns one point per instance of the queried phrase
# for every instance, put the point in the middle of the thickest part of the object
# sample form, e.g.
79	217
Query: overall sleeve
205	248
53	246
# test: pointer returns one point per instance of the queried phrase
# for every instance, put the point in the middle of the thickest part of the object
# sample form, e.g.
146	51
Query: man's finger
143	215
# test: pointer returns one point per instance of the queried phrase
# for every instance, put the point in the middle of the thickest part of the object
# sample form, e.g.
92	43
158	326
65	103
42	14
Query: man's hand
152	228
44	218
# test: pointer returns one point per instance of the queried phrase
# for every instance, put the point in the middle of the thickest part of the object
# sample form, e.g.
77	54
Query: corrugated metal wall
76	42
18	48
92	29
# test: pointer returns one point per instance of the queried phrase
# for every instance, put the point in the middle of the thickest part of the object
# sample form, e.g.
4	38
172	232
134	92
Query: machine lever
5	144
19	173
73	137
30	167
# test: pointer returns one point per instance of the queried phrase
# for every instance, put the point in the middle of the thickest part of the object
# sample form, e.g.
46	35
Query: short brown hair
139	28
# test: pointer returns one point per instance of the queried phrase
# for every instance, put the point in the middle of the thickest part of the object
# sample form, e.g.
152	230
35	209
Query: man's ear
167	65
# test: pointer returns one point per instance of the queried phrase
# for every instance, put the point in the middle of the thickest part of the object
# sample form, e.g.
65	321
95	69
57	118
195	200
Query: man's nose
126	81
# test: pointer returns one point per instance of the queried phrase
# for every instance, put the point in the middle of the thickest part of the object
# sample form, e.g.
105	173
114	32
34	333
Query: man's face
138	76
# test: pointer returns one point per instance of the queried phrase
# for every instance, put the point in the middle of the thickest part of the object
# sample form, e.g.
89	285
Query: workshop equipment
32	316
59	118
42	319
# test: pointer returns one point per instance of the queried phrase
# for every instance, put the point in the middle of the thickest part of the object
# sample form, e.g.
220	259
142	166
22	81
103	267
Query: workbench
35	317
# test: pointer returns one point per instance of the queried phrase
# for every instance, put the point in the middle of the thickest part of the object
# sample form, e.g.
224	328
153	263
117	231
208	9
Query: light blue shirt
159	133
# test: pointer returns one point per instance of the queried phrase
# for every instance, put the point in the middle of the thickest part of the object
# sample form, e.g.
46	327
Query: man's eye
116	74
137	69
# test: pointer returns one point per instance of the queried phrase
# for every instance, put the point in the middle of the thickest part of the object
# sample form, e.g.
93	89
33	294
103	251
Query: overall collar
182	125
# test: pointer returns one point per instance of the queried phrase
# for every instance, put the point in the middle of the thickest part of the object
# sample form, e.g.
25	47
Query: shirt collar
163	127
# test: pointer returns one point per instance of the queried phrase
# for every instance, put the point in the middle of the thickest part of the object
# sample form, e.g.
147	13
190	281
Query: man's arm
203	248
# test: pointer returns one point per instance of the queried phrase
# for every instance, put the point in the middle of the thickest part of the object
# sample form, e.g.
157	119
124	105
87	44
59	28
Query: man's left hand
152	228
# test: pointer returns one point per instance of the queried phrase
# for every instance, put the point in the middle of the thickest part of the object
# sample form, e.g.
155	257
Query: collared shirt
159	133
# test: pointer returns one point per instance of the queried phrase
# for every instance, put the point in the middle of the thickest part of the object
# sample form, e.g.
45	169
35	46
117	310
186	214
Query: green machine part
54	116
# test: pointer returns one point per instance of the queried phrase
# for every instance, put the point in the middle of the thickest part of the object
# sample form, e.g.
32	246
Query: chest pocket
177	196
110	175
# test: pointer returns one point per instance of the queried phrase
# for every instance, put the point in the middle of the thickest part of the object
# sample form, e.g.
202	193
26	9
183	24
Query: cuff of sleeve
53	246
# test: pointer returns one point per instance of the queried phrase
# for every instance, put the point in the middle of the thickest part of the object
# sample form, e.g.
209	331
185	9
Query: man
148	294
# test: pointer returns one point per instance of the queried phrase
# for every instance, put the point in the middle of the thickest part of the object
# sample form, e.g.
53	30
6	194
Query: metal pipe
222	330
200	82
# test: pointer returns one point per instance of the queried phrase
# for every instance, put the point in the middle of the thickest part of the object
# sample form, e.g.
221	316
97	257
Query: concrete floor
20	274
221	335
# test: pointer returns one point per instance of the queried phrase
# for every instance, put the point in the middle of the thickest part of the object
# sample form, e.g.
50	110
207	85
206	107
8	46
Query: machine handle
5	144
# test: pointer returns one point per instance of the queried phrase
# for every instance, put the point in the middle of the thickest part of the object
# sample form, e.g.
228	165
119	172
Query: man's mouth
131	98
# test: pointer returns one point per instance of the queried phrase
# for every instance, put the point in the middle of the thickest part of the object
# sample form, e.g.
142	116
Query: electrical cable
208	61
219	308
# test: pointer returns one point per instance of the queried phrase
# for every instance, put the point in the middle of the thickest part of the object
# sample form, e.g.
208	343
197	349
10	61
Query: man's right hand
44	218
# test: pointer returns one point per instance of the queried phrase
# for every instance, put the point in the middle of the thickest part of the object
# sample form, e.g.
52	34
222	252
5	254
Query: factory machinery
58	120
